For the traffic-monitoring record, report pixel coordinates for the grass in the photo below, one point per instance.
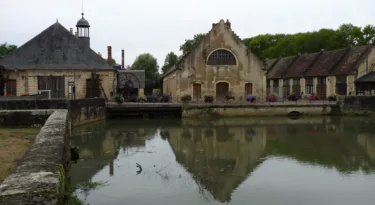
(13, 145)
(90, 185)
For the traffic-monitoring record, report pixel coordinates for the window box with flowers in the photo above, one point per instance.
(186, 98)
(293, 97)
(332, 98)
(251, 98)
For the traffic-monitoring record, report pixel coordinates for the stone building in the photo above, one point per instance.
(323, 73)
(59, 64)
(220, 65)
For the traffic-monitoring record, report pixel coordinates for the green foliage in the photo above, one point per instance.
(6, 49)
(191, 43)
(113, 62)
(149, 64)
(170, 60)
(281, 45)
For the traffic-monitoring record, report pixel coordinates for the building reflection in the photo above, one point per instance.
(218, 158)
(221, 154)
(99, 145)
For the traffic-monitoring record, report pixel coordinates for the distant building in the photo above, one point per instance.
(324, 73)
(59, 64)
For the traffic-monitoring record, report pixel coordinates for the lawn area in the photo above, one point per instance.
(13, 144)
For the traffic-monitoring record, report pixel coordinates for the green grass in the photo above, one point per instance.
(90, 185)
(3, 137)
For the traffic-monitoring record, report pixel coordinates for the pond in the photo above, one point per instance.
(259, 161)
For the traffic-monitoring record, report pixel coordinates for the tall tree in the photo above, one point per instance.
(191, 43)
(149, 64)
(6, 49)
(170, 60)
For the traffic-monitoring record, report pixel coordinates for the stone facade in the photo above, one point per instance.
(27, 81)
(221, 64)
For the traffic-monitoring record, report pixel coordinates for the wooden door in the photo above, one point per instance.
(197, 91)
(11, 88)
(221, 91)
(248, 89)
(321, 88)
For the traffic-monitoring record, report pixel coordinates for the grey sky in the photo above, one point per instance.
(161, 26)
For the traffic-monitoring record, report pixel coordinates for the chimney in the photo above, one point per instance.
(71, 30)
(123, 59)
(110, 55)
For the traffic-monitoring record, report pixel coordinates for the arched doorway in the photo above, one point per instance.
(222, 89)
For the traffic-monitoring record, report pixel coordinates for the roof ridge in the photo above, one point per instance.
(273, 65)
(339, 61)
(367, 51)
(315, 61)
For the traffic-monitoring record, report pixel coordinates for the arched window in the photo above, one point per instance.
(221, 57)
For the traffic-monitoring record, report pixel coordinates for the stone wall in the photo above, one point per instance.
(40, 175)
(80, 111)
(24, 118)
(357, 105)
(255, 110)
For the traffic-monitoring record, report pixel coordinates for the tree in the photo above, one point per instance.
(149, 64)
(6, 49)
(191, 43)
(113, 62)
(170, 60)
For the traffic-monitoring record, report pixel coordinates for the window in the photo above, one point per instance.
(268, 87)
(221, 57)
(296, 88)
(197, 91)
(341, 85)
(55, 84)
(309, 86)
(286, 87)
(276, 86)
(248, 89)
(11, 88)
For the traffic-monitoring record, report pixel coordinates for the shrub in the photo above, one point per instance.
(271, 98)
(165, 98)
(293, 97)
(141, 99)
(250, 98)
(119, 100)
(186, 98)
(332, 98)
(208, 98)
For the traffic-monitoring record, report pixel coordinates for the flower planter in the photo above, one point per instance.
(250, 98)
(208, 99)
(293, 98)
(186, 98)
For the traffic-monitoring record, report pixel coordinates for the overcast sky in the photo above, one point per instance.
(161, 26)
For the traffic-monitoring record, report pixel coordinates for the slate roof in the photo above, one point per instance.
(368, 78)
(279, 67)
(351, 60)
(300, 64)
(336, 62)
(55, 48)
(326, 61)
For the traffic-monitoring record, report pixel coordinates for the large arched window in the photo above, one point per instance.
(221, 57)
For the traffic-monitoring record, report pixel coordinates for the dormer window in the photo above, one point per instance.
(221, 57)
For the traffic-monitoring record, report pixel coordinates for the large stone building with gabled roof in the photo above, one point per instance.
(59, 64)
(220, 65)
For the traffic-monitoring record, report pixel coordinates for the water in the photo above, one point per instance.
(260, 161)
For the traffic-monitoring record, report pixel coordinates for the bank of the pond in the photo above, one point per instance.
(13, 145)
(41, 175)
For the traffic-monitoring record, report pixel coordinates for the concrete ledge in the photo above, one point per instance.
(39, 177)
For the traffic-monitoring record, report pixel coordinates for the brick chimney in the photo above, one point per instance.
(122, 59)
(110, 55)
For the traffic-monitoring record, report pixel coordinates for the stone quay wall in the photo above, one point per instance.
(357, 105)
(40, 176)
(81, 111)
(256, 110)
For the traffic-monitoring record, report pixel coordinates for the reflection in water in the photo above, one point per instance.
(227, 161)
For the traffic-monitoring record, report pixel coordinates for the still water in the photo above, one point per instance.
(263, 161)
